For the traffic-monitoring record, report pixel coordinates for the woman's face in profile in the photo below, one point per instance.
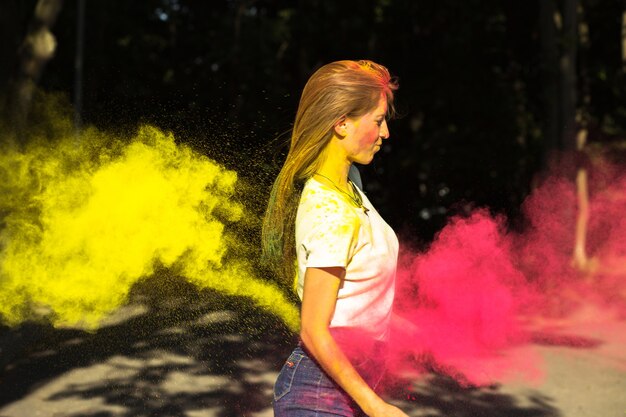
(365, 134)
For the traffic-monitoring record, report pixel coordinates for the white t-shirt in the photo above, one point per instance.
(332, 231)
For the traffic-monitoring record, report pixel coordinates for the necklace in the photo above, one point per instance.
(355, 197)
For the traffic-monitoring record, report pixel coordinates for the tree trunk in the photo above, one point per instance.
(568, 75)
(78, 65)
(581, 259)
(550, 75)
(36, 50)
(9, 33)
(624, 40)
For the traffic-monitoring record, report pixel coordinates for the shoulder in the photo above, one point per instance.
(318, 201)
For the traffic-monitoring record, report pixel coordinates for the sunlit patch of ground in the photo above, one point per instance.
(192, 354)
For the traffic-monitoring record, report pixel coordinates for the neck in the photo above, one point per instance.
(335, 167)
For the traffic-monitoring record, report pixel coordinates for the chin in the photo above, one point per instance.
(365, 161)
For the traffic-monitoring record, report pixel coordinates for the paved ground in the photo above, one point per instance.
(176, 352)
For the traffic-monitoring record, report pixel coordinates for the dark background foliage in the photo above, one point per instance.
(477, 84)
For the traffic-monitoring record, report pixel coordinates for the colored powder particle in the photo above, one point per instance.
(545, 249)
(83, 222)
(480, 297)
(468, 296)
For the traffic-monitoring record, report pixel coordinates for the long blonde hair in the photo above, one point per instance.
(335, 91)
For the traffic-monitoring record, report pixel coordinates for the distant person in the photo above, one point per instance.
(321, 229)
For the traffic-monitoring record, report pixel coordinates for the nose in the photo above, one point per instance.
(384, 130)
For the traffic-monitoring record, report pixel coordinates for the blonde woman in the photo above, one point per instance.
(321, 229)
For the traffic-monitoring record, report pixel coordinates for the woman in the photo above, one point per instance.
(320, 228)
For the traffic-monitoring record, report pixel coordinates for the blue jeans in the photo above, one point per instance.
(303, 389)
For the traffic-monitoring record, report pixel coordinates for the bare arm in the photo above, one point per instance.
(321, 286)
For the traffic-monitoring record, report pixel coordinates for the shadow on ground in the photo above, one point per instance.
(178, 349)
(442, 396)
(179, 352)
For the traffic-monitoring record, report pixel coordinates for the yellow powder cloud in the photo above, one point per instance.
(83, 221)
